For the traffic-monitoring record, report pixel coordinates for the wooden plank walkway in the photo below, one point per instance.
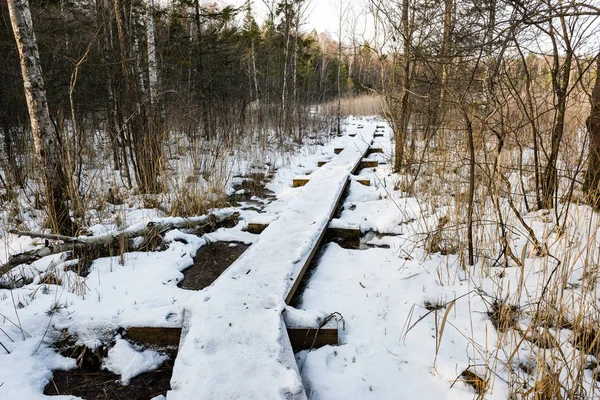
(234, 343)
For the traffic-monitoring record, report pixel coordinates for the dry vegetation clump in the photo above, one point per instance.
(363, 105)
(504, 316)
(478, 383)
(535, 271)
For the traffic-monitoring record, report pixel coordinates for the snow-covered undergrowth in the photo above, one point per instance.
(422, 323)
(136, 288)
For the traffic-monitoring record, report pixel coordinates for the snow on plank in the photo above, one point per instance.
(234, 342)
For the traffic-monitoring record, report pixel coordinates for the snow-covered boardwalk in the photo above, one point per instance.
(234, 343)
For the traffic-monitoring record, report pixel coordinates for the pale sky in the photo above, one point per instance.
(322, 15)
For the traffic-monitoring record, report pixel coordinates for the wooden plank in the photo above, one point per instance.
(338, 150)
(321, 163)
(301, 338)
(366, 163)
(306, 338)
(256, 227)
(294, 287)
(378, 134)
(259, 275)
(363, 181)
(155, 336)
(300, 181)
(373, 150)
(345, 234)
(296, 283)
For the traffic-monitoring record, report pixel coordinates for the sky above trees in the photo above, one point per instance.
(321, 15)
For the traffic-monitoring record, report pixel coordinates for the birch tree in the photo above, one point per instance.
(45, 138)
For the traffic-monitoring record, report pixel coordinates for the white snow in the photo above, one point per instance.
(129, 361)
(264, 219)
(236, 345)
(234, 328)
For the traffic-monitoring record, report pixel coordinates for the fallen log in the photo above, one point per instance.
(203, 224)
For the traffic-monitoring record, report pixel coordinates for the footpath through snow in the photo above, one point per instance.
(234, 343)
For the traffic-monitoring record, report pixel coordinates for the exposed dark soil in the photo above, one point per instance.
(209, 263)
(103, 385)
(253, 184)
(153, 241)
(363, 243)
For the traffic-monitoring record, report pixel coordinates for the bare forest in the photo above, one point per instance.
(433, 167)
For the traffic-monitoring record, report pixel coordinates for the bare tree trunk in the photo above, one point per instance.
(285, 71)
(339, 74)
(151, 44)
(295, 79)
(560, 85)
(142, 136)
(254, 73)
(439, 112)
(402, 125)
(470, 245)
(592, 176)
(45, 139)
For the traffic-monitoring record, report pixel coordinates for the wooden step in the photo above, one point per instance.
(373, 150)
(259, 223)
(338, 150)
(345, 231)
(366, 163)
(307, 338)
(321, 163)
(301, 338)
(155, 336)
(362, 181)
(300, 181)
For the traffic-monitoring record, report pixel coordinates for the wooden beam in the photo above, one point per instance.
(300, 181)
(259, 223)
(373, 150)
(155, 336)
(301, 338)
(366, 163)
(347, 232)
(363, 181)
(306, 338)
(296, 284)
(378, 134)
(256, 227)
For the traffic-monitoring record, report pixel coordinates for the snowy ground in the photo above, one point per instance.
(414, 320)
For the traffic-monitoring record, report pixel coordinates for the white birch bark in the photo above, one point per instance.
(151, 44)
(45, 140)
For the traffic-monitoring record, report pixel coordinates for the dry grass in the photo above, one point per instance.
(365, 105)
(542, 306)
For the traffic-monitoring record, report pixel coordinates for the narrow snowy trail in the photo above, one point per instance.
(234, 342)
